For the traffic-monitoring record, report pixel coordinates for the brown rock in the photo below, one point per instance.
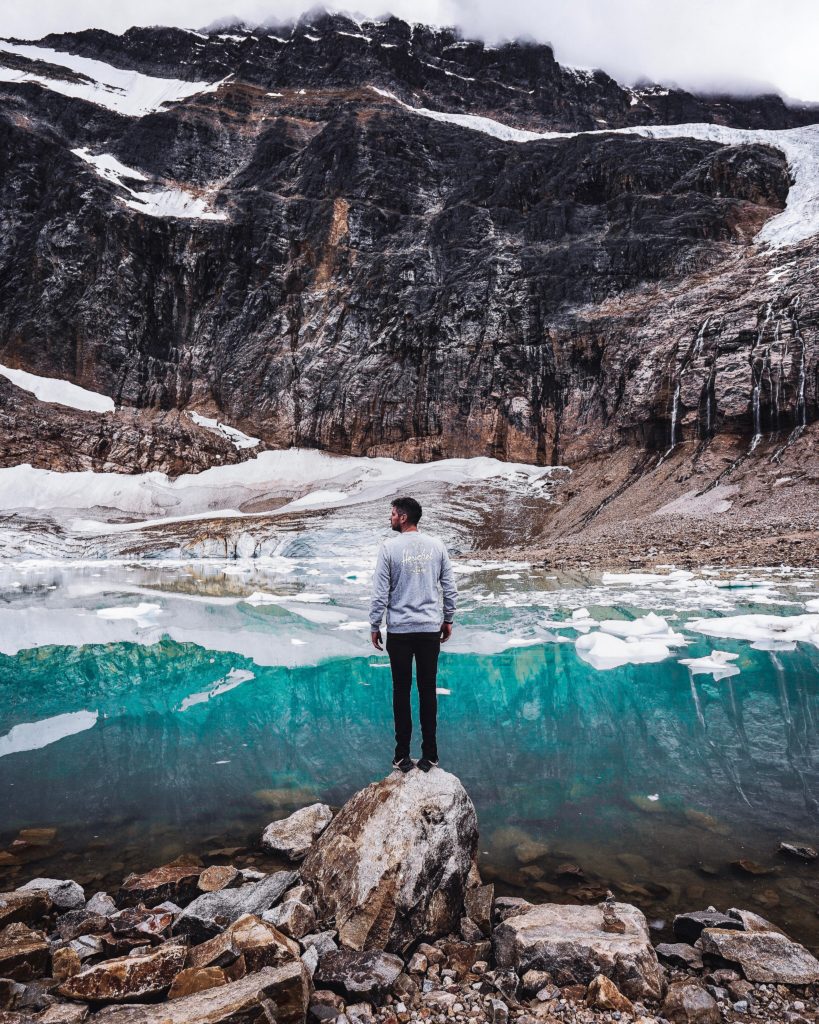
(293, 917)
(478, 906)
(27, 907)
(196, 979)
(127, 978)
(65, 963)
(603, 994)
(218, 876)
(260, 943)
(751, 867)
(24, 954)
(176, 882)
(687, 1002)
(274, 993)
(461, 956)
(80, 922)
(37, 836)
(64, 1013)
(139, 923)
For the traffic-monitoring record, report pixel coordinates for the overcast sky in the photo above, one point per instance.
(695, 43)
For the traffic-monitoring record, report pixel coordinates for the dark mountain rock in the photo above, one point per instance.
(385, 283)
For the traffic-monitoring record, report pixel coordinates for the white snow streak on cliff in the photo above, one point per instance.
(236, 437)
(58, 392)
(800, 146)
(126, 92)
(168, 202)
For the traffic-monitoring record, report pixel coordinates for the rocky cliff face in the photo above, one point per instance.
(317, 252)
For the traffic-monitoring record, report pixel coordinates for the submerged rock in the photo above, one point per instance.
(246, 1000)
(209, 913)
(571, 944)
(393, 863)
(293, 836)
(765, 956)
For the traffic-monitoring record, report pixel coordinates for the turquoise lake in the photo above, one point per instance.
(149, 710)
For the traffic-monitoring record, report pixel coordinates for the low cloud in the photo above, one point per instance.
(704, 45)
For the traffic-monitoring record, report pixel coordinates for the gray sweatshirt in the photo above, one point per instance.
(408, 572)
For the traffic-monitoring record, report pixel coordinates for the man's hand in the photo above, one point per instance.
(375, 636)
(446, 632)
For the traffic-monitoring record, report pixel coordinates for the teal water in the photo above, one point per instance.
(650, 779)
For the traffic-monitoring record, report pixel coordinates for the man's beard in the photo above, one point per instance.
(397, 527)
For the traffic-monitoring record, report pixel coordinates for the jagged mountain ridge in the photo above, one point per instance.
(384, 283)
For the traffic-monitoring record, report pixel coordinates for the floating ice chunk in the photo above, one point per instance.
(356, 625)
(812, 605)
(443, 690)
(641, 579)
(127, 92)
(653, 797)
(234, 678)
(236, 437)
(58, 392)
(580, 620)
(651, 625)
(297, 643)
(141, 613)
(762, 628)
(36, 735)
(604, 651)
(715, 664)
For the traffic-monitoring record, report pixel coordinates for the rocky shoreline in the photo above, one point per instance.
(381, 916)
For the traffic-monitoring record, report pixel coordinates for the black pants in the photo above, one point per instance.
(424, 647)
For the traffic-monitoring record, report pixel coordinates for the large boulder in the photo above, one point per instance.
(294, 836)
(763, 956)
(392, 865)
(274, 993)
(211, 912)
(572, 945)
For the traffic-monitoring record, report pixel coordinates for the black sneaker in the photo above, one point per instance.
(425, 764)
(404, 764)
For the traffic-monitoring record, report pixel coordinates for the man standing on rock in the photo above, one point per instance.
(408, 573)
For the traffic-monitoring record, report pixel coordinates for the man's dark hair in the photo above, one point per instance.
(410, 507)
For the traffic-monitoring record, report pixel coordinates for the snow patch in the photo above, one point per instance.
(58, 392)
(126, 92)
(236, 437)
(169, 202)
(800, 146)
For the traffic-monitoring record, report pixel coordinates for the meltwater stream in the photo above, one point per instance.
(148, 710)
